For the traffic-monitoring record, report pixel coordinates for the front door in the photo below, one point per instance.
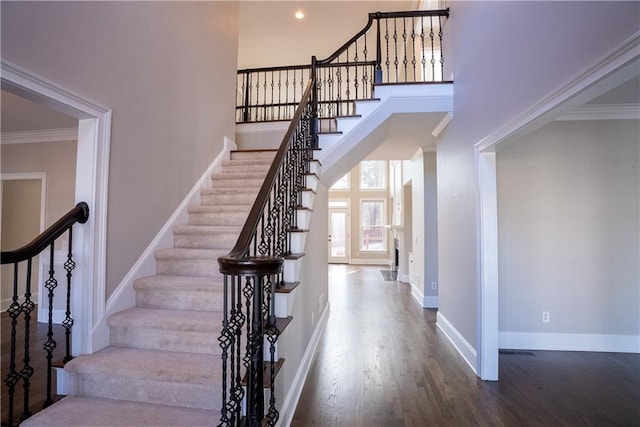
(338, 235)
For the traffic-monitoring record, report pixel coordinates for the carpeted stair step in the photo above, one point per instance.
(79, 411)
(239, 166)
(205, 236)
(218, 215)
(162, 329)
(173, 378)
(179, 292)
(189, 262)
(226, 196)
(253, 154)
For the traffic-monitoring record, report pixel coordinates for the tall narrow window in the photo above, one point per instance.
(372, 232)
(373, 175)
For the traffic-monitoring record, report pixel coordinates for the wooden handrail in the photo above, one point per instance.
(79, 214)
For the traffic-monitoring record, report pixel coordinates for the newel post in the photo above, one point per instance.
(378, 74)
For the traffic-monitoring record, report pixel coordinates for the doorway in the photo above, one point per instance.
(339, 235)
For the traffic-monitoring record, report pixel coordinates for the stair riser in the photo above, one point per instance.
(205, 241)
(202, 396)
(237, 183)
(252, 155)
(218, 219)
(162, 339)
(257, 167)
(196, 267)
(228, 199)
(179, 299)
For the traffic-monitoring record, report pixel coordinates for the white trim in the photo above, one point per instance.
(442, 125)
(488, 259)
(92, 173)
(570, 342)
(430, 301)
(603, 112)
(417, 293)
(615, 67)
(36, 136)
(621, 61)
(123, 296)
(465, 349)
(293, 395)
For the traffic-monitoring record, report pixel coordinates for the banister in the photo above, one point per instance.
(248, 230)
(79, 214)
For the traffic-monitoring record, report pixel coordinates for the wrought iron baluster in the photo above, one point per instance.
(27, 370)
(433, 58)
(67, 323)
(441, 49)
(405, 62)
(395, 49)
(423, 60)
(50, 344)
(355, 70)
(413, 47)
(386, 38)
(12, 378)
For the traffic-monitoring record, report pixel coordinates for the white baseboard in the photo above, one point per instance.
(570, 342)
(465, 349)
(430, 301)
(124, 295)
(404, 278)
(293, 395)
(417, 294)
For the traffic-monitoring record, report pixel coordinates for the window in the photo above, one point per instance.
(372, 233)
(373, 175)
(343, 183)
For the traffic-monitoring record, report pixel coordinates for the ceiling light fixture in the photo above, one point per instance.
(299, 14)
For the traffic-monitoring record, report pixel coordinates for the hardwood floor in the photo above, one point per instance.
(383, 362)
(38, 336)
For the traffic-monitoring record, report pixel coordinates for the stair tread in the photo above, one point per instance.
(238, 175)
(186, 283)
(287, 287)
(80, 411)
(154, 365)
(190, 253)
(250, 191)
(207, 229)
(167, 319)
(219, 209)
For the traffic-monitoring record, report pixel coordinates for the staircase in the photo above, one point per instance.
(163, 365)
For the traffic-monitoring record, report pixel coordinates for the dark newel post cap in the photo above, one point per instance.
(250, 266)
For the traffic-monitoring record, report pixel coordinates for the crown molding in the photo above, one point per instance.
(34, 136)
(603, 112)
(443, 124)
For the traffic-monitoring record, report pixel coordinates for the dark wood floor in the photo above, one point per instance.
(383, 362)
(38, 336)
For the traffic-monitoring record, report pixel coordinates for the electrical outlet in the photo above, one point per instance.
(545, 317)
(434, 285)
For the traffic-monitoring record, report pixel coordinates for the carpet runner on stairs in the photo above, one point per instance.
(163, 365)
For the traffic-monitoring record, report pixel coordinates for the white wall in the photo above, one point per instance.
(505, 56)
(166, 69)
(569, 219)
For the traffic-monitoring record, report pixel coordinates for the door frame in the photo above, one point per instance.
(92, 173)
(347, 241)
(612, 69)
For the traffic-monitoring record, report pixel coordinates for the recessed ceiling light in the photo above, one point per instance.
(299, 14)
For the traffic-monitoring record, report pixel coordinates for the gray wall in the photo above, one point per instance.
(505, 56)
(568, 208)
(166, 69)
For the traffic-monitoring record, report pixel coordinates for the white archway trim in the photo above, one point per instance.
(617, 66)
(92, 173)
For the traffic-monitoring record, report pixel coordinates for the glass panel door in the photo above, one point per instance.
(338, 236)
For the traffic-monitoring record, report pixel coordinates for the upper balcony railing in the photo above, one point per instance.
(393, 48)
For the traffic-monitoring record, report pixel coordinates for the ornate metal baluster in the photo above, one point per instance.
(27, 371)
(441, 48)
(424, 60)
(355, 72)
(395, 48)
(433, 58)
(413, 47)
(386, 38)
(67, 323)
(405, 62)
(13, 376)
(50, 344)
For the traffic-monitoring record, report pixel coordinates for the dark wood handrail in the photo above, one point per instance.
(79, 214)
(243, 243)
(377, 16)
